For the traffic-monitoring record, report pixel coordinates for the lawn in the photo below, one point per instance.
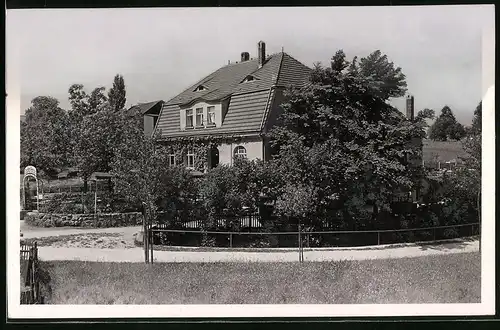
(433, 279)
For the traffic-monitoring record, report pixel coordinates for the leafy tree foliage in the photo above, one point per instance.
(45, 135)
(388, 79)
(88, 137)
(226, 190)
(477, 120)
(101, 134)
(83, 104)
(446, 127)
(141, 175)
(341, 136)
(117, 94)
(470, 176)
(296, 201)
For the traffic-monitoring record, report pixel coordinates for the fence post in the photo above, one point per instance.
(230, 240)
(378, 238)
(152, 244)
(301, 257)
(144, 238)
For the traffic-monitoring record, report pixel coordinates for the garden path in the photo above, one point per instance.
(193, 255)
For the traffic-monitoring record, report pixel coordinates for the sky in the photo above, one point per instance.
(162, 51)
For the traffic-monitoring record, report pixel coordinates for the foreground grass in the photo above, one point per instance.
(433, 279)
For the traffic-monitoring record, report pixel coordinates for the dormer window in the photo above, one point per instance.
(200, 88)
(189, 118)
(211, 116)
(249, 79)
(199, 117)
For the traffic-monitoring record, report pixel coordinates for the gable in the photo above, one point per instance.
(249, 102)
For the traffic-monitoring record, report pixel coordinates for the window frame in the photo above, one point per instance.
(210, 110)
(170, 158)
(198, 114)
(189, 154)
(189, 114)
(238, 154)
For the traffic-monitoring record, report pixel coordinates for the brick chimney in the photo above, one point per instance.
(410, 107)
(261, 53)
(245, 56)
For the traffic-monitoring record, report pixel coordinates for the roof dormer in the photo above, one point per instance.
(249, 78)
(200, 88)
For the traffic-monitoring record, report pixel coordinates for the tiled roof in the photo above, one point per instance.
(248, 100)
(142, 108)
(442, 151)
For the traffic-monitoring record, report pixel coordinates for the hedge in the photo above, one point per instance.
(106, 220)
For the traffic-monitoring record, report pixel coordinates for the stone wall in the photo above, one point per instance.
(84, 220)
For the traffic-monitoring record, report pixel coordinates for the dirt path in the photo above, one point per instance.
(137, 254)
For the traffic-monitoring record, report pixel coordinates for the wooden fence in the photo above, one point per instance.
(30, 281)
(248, 222)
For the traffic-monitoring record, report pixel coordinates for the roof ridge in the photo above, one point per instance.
(296, 60)
(279, 69)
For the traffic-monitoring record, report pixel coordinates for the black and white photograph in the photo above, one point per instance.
(280, 161)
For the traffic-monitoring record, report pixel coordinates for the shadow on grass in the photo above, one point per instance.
(458, 244)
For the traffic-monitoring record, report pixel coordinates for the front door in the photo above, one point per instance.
(214, 157)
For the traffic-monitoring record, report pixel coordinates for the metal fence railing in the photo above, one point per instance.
(302, 238)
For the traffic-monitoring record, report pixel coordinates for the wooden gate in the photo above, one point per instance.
(30, 281)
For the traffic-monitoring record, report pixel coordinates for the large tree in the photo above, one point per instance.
(83, 108)
(100, 136)
(141, 174)
(477, 120)
(471, 175)
(446, 127)
(117, 94)
(388, 79)
(341, 136)
(44, 135)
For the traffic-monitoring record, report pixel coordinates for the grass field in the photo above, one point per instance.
(433, 279)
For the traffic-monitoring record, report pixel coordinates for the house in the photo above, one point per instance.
(443, 154)
(235, 105)
(149, 111)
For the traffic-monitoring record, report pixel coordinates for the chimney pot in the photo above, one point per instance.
(245, 56)
(261, 53)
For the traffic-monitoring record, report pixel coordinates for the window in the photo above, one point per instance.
(199, 117)
(190, 159)
(189, 118)
(240, 152)
(211, 116)
(200, 88)
(248, 79)
(171, 160)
